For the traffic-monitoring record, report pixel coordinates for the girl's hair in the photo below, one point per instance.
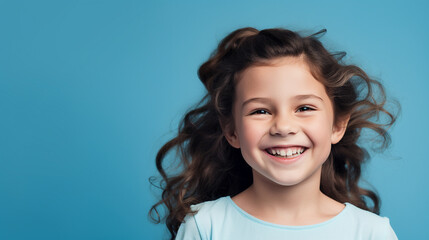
(211, 168)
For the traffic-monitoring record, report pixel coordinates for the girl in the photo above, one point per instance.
(271, 151)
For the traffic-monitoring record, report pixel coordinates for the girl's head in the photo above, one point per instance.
(271, 91)
(283, 122)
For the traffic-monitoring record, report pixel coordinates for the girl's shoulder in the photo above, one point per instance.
(364, 216)
(211, 211)
(364, 221)
(206, 215)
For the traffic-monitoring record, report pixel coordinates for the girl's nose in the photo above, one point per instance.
(283, 126)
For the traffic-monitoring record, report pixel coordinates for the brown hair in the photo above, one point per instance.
(211, 168)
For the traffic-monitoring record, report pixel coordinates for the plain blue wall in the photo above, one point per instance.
(89, 91)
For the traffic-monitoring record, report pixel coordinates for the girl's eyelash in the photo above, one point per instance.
(259, 111)
(300, 109)
(305, 109)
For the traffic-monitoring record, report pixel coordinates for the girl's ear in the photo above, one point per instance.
(230, 135)
(339, 129)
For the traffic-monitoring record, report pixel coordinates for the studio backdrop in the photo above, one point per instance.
(90, 90)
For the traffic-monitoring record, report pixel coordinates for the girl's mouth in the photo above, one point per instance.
(289, 152)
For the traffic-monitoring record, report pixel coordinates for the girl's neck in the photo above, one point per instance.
(294, 200)
(301, 204)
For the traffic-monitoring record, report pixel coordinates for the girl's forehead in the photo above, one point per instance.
(284, 75)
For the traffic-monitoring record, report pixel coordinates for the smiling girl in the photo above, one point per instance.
(271, 151)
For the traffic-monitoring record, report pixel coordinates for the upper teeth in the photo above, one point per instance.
(286, 152)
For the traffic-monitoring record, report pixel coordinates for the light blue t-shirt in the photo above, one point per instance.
(222, 219)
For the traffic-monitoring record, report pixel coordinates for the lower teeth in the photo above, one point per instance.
(286, 156)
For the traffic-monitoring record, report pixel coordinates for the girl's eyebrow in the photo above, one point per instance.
(267, 100)
(257, 99)
(307, 96)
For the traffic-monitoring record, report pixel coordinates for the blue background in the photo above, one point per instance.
(89, 91)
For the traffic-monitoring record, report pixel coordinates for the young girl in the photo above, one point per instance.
(271, 152)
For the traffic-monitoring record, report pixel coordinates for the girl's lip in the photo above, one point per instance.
(286, 160)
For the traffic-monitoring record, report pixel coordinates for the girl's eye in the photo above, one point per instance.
(305, 109)
(259, 111)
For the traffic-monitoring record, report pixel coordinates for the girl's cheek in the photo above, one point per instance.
(252, 131)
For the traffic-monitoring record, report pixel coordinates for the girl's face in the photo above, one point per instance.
(283, 122)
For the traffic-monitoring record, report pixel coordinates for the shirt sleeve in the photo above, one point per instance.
(390, 234)
(188, 230)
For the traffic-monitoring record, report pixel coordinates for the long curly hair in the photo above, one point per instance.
(210, 168)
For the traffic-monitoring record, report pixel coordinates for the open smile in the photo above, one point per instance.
(286, 152)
